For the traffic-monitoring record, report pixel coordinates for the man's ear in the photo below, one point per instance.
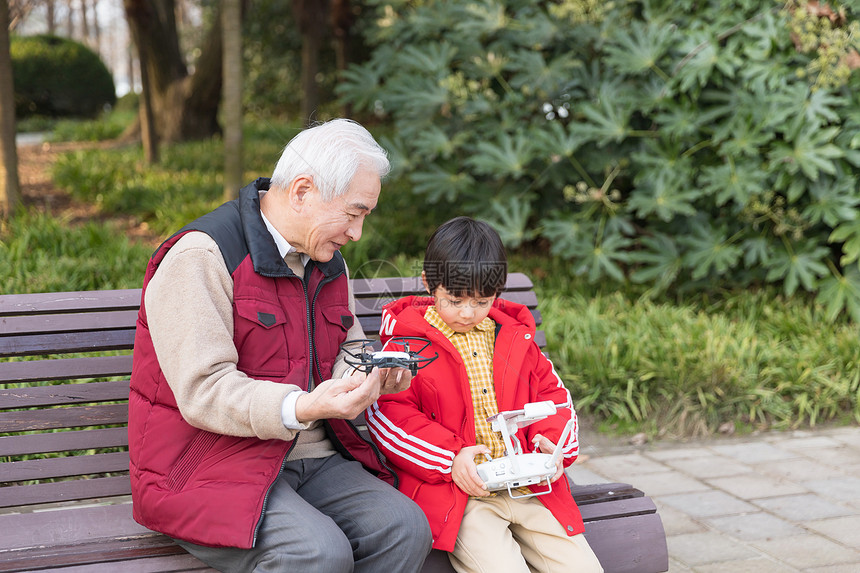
(298, 191)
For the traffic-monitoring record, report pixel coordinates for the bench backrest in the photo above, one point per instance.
(65, 359)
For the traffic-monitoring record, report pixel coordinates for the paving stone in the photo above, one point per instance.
(678, 567)
(845, 530)
(848, 435)
(666, 483)
(695, 549)
(756, 565)
(836, 457)
(754, 526)
(805, 551)
(677, 453)
(707, 504)
(799, 471)
(841, 488)
(802, 508)
(753, 452)
(708, 467)
(677, 522)
(581, 475)
(844, 568)
(753, 485)
(807, 442)
(622, 465)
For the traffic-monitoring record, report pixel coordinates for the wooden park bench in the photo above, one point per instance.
(65, 359)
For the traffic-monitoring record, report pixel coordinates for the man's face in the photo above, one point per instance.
(461, 313)
(330, 225)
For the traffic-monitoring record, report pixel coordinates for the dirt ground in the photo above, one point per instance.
(38, 190)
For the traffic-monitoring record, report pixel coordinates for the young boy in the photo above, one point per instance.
(436, 432)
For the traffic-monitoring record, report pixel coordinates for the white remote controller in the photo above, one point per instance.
(517, 469)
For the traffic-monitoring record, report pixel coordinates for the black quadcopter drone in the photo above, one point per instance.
(366, 359)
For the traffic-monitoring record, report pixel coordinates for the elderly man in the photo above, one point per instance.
(239, 435)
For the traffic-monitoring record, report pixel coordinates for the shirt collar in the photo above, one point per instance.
(284, 248)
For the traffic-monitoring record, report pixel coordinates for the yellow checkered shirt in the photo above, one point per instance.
(476, 350)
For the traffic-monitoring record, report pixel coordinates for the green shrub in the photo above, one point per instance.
(680, 145)
(59, 77)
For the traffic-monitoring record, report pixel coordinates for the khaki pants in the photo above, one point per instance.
(501, 535)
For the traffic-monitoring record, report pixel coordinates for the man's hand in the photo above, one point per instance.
(464, 471)
(344, 398)
(546, 446)
(395, 380)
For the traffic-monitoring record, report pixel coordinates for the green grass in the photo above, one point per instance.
(755, 360)
(40, 253)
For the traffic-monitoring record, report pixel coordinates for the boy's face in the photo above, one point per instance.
(461, 313)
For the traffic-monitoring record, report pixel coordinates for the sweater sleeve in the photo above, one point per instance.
(189, 308)
(410, 439)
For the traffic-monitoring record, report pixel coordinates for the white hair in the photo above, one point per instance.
(330, 153)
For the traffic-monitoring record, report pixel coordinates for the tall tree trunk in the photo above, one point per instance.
(310, 17)
(85, 23)
(342, 20)
(231, 29)
(148, 133)
(51, 17)
(70, 19)
(10, 191)
(184, 106)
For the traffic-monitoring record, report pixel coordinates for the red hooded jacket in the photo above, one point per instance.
(421, 429)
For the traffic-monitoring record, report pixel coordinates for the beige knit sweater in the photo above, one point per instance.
(189, 307)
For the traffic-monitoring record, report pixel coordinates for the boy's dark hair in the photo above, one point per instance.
(467, 258)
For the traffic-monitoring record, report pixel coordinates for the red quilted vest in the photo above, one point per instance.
(208, 488)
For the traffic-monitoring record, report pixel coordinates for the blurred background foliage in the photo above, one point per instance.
(678, 178)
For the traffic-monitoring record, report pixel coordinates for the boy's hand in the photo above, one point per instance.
(464, 472)
(546, 446)
(394, 380)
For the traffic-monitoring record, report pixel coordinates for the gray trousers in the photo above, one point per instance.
(329, 515)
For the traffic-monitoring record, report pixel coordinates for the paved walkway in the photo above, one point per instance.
(772, 503)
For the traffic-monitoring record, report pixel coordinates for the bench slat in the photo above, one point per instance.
(598, 492)
(55, 418)
(76, 301)
(48, 468)
(642, 538)
(63, 441)
(30, 345)
(65, 368)
(19, 495)
(121, 555)
(617, 508)
(58, 394)
(45, 323)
